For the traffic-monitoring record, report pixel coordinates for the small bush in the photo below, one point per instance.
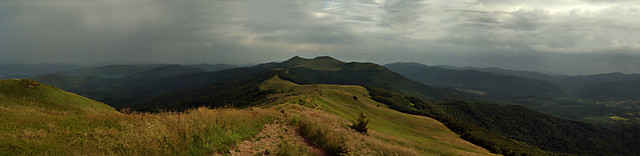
(361, 124)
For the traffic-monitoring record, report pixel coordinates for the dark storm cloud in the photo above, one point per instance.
(572, 36)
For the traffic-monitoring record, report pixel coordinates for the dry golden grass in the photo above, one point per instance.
(198, 131)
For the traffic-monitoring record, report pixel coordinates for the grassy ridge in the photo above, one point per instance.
(324, 112)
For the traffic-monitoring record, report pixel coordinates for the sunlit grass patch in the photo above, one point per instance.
(618, 118)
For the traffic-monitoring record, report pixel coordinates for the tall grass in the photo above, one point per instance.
(332, 134)
(198, 131)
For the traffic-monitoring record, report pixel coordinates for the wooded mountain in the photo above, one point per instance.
(477, 82)
(109, 71)
(212, 67)
(162, 72)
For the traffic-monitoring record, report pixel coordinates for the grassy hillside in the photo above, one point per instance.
(391, 132)
(38, 119)
(29, 93)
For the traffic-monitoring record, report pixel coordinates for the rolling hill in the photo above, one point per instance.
(109, 71)
(162, 72)
(516, 73)
(612, 91)
(19, 71)
(541, 95)
(212, 67)
(487, 84)
(578, 82)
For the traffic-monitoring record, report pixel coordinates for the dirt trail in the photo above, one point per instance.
(267, 141)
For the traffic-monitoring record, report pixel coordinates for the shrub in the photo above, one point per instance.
(361, 124)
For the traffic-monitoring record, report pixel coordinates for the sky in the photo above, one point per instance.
(560, 36)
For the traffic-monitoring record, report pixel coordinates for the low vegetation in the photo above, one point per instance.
(361, 124)
(38, 119)
(198, 131)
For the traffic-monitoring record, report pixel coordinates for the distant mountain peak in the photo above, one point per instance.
(409, 63)
(324, 58)
(296, 58)
(319, 63)
(318, 58)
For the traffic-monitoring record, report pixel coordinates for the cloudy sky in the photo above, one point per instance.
(563, 36)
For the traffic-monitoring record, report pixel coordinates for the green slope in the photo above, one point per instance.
(29, 93)
(32, 114)
(420, 134)
(37, 119)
